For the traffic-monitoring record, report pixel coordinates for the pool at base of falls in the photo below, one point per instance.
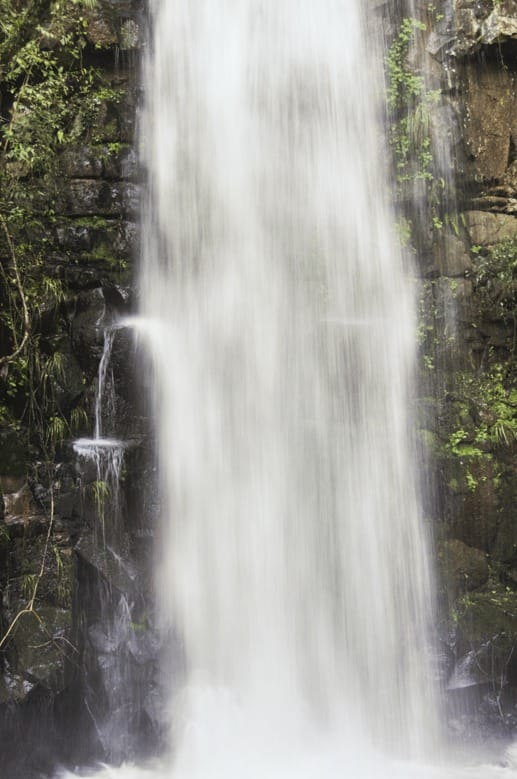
(304, 766)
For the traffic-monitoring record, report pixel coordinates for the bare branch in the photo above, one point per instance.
(6, 359)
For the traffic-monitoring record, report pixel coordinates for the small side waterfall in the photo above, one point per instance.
(116, 642)
(104, 451)
(280, 319)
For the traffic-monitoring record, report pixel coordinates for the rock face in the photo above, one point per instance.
(482, 24)
(463, 568)
(58, 589)
(467, 256)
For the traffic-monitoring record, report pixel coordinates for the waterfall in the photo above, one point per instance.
(293, 585)
(280, 319)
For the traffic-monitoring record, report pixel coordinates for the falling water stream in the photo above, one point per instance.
(279, 317)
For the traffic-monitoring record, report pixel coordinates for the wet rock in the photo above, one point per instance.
(455, 305)
(490, 120)
(114, 161)
(98, 239)
(129, 195)
(20, 505)
(462, 567)
(41, 495)
(90, 197)
(103, 639)
(482, 23)
(68, 504)
(143, 644)
(115, 122)
(121, 164)
(39, 644)
(119, 572)
(87, 329)
(69, 381)
(100, 31)
(14, 688)
(81, 162)
(78, 276)
(504, 546)
(75, 237)
(486, 625)
(125, 240)
(13, 457)
(475, 520)
(121, 9)
(501, 24)
(127, 118)
(155, 706)
(452, 257)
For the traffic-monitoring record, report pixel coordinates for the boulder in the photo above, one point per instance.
(488, 229)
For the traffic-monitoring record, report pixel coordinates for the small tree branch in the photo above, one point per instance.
(6, 359)
(29, 608)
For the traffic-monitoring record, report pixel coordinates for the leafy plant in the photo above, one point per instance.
(495, 278)
(50, 99)
(409, 104)
(486, 404)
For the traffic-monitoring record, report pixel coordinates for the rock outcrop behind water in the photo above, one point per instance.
(467, 255)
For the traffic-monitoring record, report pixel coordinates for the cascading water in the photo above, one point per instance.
(105, 452)
(110, 646)
(281, 326)
(279, 317)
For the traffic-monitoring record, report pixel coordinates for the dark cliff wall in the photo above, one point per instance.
(70, 81)
(463, 228)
